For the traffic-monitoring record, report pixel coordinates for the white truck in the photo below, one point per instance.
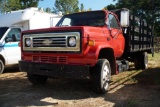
(11, 25)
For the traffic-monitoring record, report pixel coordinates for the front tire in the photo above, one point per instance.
(1, 66)
(36, 79)
(101, 76)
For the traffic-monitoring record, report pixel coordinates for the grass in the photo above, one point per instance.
(135, 76)
(156, 57)
(136, 88)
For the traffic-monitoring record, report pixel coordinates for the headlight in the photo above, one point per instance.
(28, 42)
(72, 41)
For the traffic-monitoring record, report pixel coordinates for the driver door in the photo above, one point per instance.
(11, 48)
(118, 41)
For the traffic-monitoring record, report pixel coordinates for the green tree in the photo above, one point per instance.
(48, 10)
(11, 5)
(3, 6)
(66, 6)
(148, 9)
(89, 9)
(82, 8)
(28, 3)
(110, 7)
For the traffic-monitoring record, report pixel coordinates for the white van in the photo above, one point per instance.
(11, 25)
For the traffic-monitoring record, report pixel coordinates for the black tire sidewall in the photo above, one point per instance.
(137, 63)
(145, 60)
(36, 79)
(141, 61)
(1, 67)
(98, 85)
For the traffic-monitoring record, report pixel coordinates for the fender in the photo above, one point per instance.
(110, 55)
(102, 47)
(93, 52)
(3, 55)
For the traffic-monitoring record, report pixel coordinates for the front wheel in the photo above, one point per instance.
(1, 66)
(101, 76)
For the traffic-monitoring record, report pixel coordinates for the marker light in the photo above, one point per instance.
(91, 43)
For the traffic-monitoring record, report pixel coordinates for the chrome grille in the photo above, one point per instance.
(50, 42)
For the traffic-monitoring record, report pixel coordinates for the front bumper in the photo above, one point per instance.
(56, 70)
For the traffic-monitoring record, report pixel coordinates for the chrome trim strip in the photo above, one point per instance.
(51, 36)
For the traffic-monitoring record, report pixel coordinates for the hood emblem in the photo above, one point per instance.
(47, 42)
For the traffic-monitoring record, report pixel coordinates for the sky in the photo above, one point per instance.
(93, 4)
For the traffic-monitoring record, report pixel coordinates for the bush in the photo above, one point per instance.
(157, 44)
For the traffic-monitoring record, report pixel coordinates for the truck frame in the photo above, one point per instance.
(87, 45)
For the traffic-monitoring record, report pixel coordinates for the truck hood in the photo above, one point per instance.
(95, 32)
(86, 30)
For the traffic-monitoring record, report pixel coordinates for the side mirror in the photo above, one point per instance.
(124, 18)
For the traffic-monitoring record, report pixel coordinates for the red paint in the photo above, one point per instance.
(103, 37)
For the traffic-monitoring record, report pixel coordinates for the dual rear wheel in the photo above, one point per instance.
(141, 61)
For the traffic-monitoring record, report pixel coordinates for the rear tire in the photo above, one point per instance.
(144, 61)
(1, 66)
(36, 79)
(141, 61)
(137, 63)
(101, 76)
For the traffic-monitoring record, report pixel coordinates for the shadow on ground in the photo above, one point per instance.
(11, 69)
(18, 91)
(143, 92)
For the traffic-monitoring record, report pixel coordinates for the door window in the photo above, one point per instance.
(14, 35)
(112, 21)
(3, 31)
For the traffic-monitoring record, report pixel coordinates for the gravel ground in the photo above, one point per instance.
(128, 89)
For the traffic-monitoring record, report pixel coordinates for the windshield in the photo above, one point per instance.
(2, 31)
(93, 18)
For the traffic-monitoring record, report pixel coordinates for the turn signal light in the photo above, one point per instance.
(91, 43)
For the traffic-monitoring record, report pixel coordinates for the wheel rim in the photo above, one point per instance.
(106, 77)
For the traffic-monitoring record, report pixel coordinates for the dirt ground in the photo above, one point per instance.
(128, 89)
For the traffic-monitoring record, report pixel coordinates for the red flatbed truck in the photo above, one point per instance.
(87, 45)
